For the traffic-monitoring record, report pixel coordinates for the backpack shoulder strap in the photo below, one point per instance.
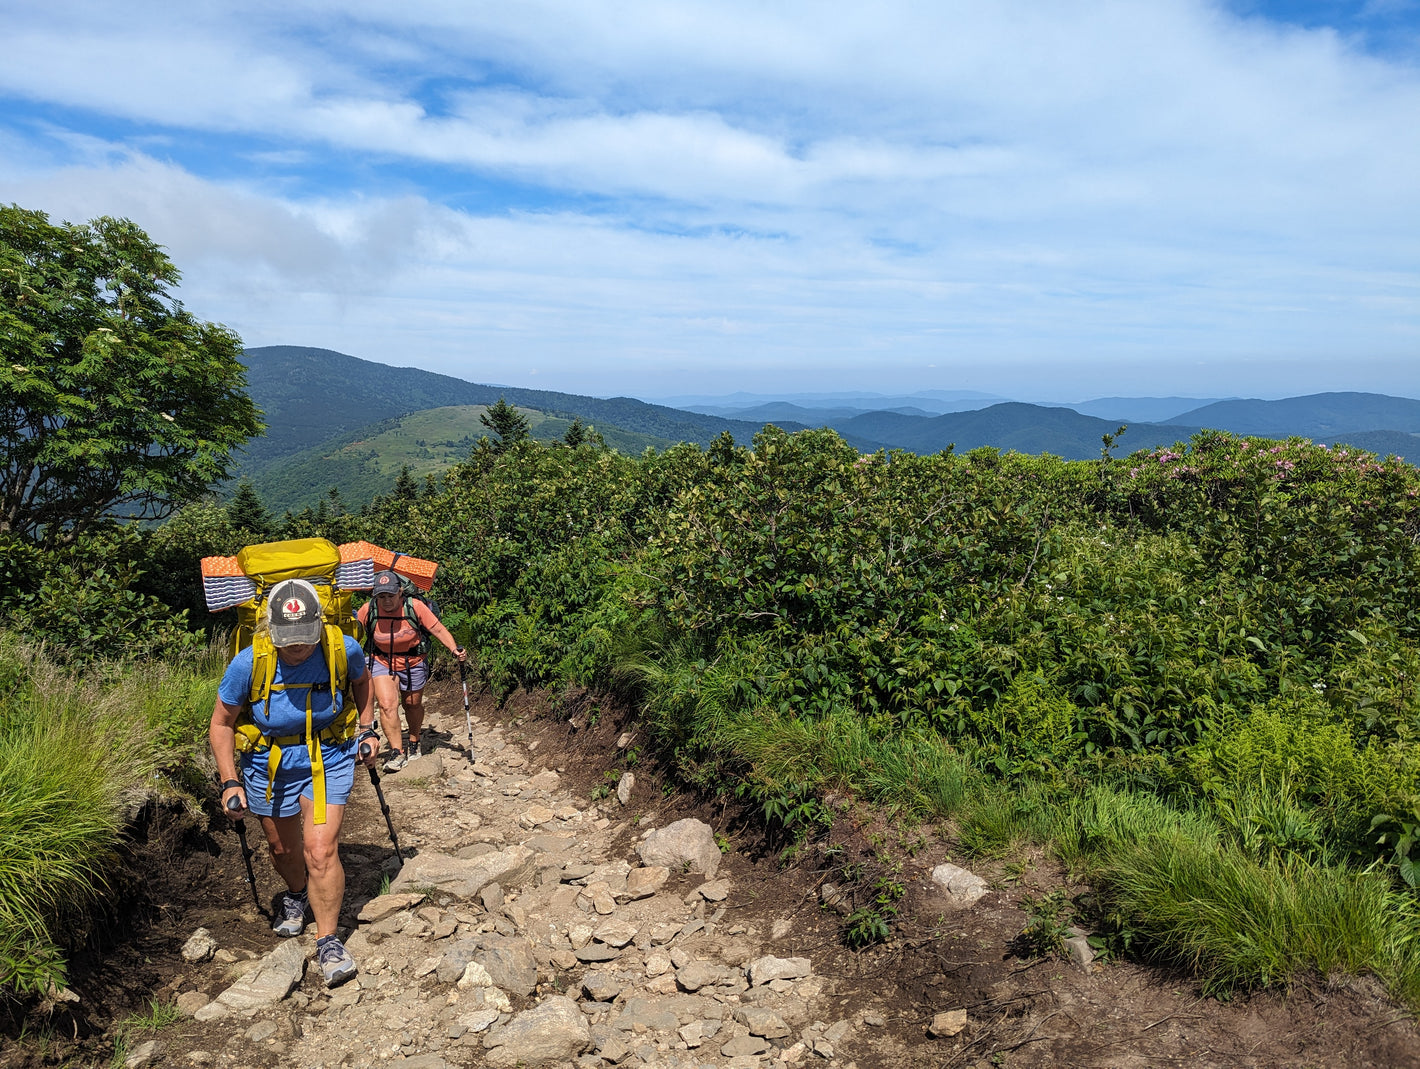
(263, 668)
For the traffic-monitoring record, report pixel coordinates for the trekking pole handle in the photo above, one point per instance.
(233, 804)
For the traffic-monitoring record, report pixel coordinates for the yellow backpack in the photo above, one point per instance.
(315, 560)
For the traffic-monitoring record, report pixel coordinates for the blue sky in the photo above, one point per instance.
(1052, 200)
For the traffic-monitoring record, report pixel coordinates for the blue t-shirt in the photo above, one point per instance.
(285, 711)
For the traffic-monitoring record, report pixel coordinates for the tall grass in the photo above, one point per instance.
(75, 753)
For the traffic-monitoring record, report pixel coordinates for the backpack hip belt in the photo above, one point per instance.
(249, 739)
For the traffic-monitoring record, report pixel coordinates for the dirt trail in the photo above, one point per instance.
(578, 953)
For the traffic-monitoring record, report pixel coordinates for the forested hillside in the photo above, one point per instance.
(312, 395)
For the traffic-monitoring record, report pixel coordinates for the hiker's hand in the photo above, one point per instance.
(369, 748)
(234, 802)
(461, 654)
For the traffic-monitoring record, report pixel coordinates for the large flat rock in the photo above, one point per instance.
(270, 982)
(465, 877)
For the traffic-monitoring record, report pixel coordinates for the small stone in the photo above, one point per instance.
(199, 947)
(615, 933)
(604, 903)
(644, 882)
(715, 890)
(767, 968)
(572, 872)
(601, 986)
(823, 1048)
(545, 781)
(142, 1055)
(189, 1002)
(579, 935)
(200, 1057)
(261, 1031)
(211, 1012)
(780, 928)
(744, 1045)
(780, 987)
(538, 814)
(692, 1035)
(1078, 949)
(479, 1019)
(661, 934)
(492, 897)
(625, 786)
(836, 1032)
(657, 962)
(624, 740)
(764, 1022)
(662, 985)
(383, 906)
(596, 952)
(947, 1024)
(961, 887)
(475, 975)
(874, 1020)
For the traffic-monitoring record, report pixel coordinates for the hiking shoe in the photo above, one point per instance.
(336, 964)
(418, 749)
(398, 761)
(290, 914)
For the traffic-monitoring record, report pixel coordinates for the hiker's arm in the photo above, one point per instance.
(222, 737)
(438, 630)
(364, 695)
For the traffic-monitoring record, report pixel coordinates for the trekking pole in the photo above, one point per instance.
(233, 805)
(467, 716)
(384, 806)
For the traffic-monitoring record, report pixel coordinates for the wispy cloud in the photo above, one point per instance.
(621, 193)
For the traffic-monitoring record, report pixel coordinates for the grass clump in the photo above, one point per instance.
(75, 752)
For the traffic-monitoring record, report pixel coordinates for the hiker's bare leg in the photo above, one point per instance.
(326, 885)
(387, 694)
(414, 713)
(283, 835)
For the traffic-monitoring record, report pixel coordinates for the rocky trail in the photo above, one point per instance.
(541, 920)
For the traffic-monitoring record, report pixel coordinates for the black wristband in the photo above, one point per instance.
(227, 785)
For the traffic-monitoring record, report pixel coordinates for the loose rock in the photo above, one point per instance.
(199, 947)
(947, 1024)
(686, 842)
(550, 1032)
(960, 887)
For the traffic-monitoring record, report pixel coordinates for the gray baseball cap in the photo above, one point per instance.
(295, 614)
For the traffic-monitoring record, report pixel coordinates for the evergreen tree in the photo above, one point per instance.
(576, 434)
(507, 422)
(405, 488)
(246, 512)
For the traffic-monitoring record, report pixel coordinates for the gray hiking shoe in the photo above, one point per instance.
(418, 749)
(398, 761)
(290, 914)
(336, 964)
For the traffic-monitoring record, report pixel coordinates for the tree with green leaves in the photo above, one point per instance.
(506, 422)
(115, 401)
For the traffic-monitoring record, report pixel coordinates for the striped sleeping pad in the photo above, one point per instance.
(225, 585)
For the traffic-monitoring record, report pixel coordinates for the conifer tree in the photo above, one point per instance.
(507, 422)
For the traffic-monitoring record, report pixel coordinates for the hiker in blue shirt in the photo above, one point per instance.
(299, 746)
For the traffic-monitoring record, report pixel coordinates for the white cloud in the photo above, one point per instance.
(824, 185)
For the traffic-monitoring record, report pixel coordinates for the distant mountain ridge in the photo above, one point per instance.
(311, 395)
(1317, 415)
(325, 410)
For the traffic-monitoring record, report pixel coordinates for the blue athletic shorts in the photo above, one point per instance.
(412, 679)
(294, 783)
